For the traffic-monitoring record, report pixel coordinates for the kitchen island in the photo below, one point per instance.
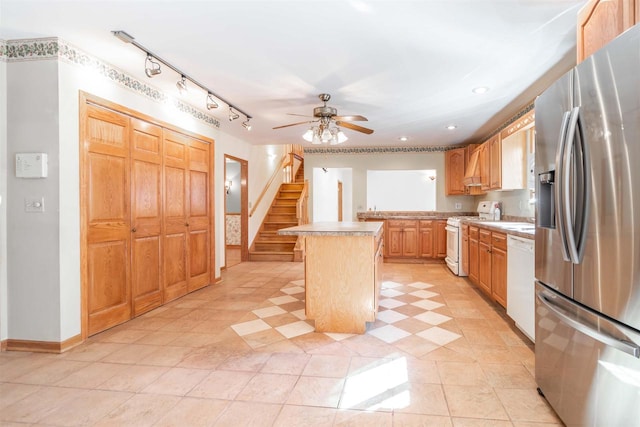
(342, 273)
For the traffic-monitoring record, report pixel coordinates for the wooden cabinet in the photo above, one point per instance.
(600, 21)
(495, 163)
(474, 262)
(426, 239)
(499, 268)
(146, 215)
(484, 157)
(484, 261)
(488, 262)
(464, 250)
(454, 171)
(402, 238)
(441, 239)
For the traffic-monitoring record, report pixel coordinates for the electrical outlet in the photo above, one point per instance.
(458, 206)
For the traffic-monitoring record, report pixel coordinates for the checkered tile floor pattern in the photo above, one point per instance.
(404, 311)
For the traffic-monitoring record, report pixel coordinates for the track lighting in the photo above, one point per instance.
(152, 67)
(211, 103)
(182, 85)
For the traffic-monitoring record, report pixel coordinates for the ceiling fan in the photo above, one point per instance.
(326, 116)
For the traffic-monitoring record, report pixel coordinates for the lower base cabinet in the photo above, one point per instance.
(411, 240)
(488, 262)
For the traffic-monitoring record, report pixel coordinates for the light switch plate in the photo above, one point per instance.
(34, 204)
(458, 206)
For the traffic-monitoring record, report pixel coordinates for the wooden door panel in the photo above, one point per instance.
(108, 290)
(108, 192)
(198, 259)
(107, 216)
(175, 269)
(199, 187)
(146, 215)
(198, 156)
(175, 206)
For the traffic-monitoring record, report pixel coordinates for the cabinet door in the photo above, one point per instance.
(600, 21)
(484, 267)
(410, 242)
(146, 216)
(499, 276)
(495, 148)
(454, 171)
(426, 239)
(106, 195)
(474, 262)
(464, 251)
(441, 239)
(176, 241)
(198, 220)
(394, 242)
(485, 167)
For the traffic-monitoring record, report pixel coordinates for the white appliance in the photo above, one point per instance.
(487, 210)
(520, 284)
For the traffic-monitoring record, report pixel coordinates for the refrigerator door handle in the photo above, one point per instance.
(560, 196)
(567, 205)
(606, 339)
(583, 179)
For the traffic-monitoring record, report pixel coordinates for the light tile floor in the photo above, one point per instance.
(241, 353)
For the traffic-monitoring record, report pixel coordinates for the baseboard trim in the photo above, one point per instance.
(43, 346)
(218, 280)
(3, 345)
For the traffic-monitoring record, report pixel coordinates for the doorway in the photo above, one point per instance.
(236, 205)
(332, 194)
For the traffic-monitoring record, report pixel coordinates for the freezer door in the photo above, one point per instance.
(608, 278)
(552, 109)
(586, 366)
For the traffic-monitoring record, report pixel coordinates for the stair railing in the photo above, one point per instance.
(277, 171)
(302, 209)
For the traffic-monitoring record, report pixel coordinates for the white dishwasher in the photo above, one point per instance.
(520, 283)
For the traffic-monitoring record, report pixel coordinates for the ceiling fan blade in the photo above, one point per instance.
(354, 118)
(299, 115)
(294, 124)
(355, 127)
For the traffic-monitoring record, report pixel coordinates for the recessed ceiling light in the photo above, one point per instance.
(480, 90)
(403, 138)
(452, 127)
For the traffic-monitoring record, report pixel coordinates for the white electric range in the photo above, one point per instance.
(487, 210)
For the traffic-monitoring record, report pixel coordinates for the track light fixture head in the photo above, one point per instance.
(211, 103)
(152, 68)
(232, 114)
(182, 84)
(246, 124)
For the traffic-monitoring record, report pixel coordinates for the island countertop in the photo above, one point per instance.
(372, 228)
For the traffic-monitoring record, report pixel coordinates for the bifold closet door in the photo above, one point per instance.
(146, 216)
(107, 216)
(198, 221)
(176, 196)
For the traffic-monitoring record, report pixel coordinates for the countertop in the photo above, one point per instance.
(520, 229)
(370, 228)
(411, 214)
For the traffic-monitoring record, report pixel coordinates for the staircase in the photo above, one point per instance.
(268, 245)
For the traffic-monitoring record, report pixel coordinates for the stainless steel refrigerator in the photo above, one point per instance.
(587, 251)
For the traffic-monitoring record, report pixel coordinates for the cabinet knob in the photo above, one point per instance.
(133, 230)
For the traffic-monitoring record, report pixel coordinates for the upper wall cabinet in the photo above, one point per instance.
(515, 140)
(454, 171)
(600, 21)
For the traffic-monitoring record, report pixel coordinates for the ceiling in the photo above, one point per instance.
(408, 66)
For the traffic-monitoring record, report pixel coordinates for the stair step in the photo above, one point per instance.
(283, 209)
(274, 226)
(292, 186)
(270, 256)
(274, 236)
(273, 246)
(285, 202)
(275, 217)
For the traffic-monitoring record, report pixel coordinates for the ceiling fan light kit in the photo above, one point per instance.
(327, 131)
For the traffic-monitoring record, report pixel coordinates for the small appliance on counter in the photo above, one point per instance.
(487, 211)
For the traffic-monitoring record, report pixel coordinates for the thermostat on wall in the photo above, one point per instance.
(31, 165)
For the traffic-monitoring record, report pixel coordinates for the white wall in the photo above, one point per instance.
(360, 163)
(326, 189)
(34, 296)
(3, 202)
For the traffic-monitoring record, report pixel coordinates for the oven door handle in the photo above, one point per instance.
(451, 229)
